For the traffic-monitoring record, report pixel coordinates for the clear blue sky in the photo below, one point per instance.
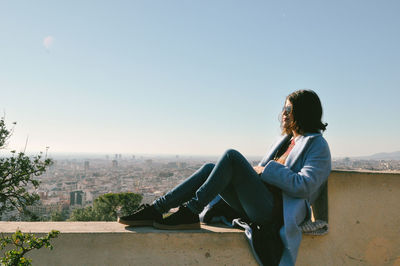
(197, 77)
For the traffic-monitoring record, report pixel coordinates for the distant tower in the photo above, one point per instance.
(76, 197)
(115, 163)
(86, 165)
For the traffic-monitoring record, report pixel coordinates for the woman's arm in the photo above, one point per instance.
(302, 184)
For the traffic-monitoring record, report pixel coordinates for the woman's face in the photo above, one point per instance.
(287, 115)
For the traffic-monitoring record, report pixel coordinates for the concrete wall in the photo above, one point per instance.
(364, 219)
(110, 243)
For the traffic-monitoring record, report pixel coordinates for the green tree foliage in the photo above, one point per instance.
(84, 214)
(17, 171)
(58, 216)
(23, 243)
(107, 207)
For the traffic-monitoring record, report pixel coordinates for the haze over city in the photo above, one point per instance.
(196, 78)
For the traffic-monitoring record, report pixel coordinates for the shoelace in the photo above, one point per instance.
(141, 207)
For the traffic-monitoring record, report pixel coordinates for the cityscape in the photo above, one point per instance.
(71, 183)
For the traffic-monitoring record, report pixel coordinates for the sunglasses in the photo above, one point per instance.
(287, 109)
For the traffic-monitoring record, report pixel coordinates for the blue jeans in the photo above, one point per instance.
(234, 179)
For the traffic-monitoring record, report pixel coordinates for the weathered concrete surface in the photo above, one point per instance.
(110, 243)
(98, 227)
(364, 220)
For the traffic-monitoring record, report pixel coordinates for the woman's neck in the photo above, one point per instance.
(295, 134)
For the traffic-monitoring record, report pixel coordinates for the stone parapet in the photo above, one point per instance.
(110, 243)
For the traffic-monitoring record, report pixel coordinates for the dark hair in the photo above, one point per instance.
(306, 111)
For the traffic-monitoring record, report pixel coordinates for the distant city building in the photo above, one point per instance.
(86, 165)
(182, 164)
(43, 195)
(172, 165)
(165, 174)
(115, 163)
(44, 210)
(76, 197)
(70, 185)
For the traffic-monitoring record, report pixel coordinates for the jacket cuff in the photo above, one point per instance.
(271, 168)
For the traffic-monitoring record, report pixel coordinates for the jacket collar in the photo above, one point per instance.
(274, 149)
(301, 143)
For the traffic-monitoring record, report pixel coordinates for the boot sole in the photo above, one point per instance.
(136, 223)
(194, 226)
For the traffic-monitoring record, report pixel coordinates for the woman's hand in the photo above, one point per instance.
(259, 169)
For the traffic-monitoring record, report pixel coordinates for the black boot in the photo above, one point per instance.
(183, 219)
(145, 215)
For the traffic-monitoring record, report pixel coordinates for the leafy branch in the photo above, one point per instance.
(23, 243)
(17, 172)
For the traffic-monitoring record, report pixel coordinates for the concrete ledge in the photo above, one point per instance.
(110, 243)
(101, 227)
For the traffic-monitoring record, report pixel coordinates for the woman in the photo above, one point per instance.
(275, 195)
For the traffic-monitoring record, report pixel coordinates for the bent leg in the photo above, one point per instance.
(252, 200)
(184, 191)
(234, 178)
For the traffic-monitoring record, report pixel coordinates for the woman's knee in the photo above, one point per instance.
(234, 155)
(208, 166)
(232, 152)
